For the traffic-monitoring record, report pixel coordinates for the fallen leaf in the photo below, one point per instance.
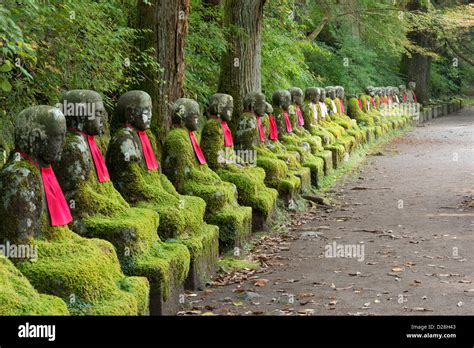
(260, 282)
(237, 303)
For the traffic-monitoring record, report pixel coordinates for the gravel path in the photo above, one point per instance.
(404, 226)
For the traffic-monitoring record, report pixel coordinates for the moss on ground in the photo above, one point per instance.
(18, 297)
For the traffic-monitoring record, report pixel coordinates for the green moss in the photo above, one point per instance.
(250, 181)
(229, 264)
(83, 272)
(221, 197)
(18, 297)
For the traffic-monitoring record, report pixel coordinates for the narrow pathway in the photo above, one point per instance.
(405, 228)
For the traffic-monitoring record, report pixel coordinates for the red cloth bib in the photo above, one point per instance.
(58, 209)
(372, 100)
(99, 162)
(261, 132)
(414, 96)
(405, 98)
(300, 115)
(147, 150)
(197, 148)
(273, 128)
(289, 129)
(228, 141)
(342, 106)
(360, 103)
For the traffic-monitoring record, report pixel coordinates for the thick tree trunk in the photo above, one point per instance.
(240, 68)
(168, 25)
(417, 68)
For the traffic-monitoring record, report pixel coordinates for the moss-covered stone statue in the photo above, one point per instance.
(85, 273)
(133, 167)
(186, 167)
(218, 148)
(18, 297)
(403, 94)
(287, 130)
(327, 102)
(336, 94)
(256, 133)
(411, 95)
(100, 210)
(313, 124)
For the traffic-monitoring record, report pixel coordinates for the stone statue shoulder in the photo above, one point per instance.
(76, 163)
(22, 203)
(246, 134)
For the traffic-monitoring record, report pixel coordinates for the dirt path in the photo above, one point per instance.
(407, 210)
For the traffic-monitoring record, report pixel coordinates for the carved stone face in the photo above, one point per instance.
(84, 110)
(331, 92)
(40, 133)
(370, 90)
(311, 94)
(135, 108)
(296, 95)
(282, 99)
(402, 88)
(322, 97)
(221, 105)
(268, 108)
(186, 112)
(411, 85)
(255, 102)
(340, 92)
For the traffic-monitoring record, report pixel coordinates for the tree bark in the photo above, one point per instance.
(167, 22)
(241, 64)
(417, 68)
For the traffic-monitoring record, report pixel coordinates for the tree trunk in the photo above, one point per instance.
(417, 68)
(167, 22)
(240, 67)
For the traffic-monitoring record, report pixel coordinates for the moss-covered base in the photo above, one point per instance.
(18, 297)
(235, 226)
(86, 274)
(204, 257)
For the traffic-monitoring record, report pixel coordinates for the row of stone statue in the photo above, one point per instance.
(125, 233)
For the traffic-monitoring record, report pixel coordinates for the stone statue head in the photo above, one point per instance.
(186, 112)
(402, 88)
(340, 92)
(331, 92)
(322, 95)
(268, 108)
(311, 94)
(296, 95)
(255, 102)
(134, 108)
(84, 110)
(282, 99)
(370, 90)
(411, 85)
(221, 105)
(40, 133)
(396, 91)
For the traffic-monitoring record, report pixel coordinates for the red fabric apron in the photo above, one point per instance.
(289, 129)
(414, 96)
(273, 128)
(147, 150)
(197, 148)
(58, 208)
(300, 115)
(261, 132)
(228, 141)
(99, 162)
(342, 106)
(360, 103)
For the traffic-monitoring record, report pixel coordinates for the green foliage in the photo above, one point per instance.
(204, 48)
